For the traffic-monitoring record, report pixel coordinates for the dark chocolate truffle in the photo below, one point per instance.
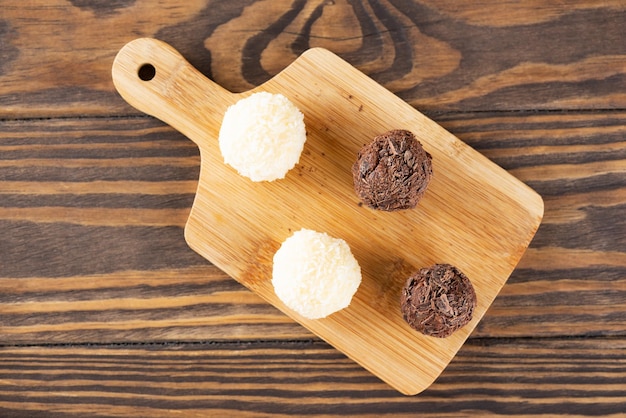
(392, 172)
(438, 300)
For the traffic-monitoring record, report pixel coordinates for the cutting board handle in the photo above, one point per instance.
(155, 79)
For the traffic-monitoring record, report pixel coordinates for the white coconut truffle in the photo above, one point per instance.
(262, 136)
(315, 274)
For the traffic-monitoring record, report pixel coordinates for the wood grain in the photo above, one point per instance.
(476, 216)
(491, 378)
(123, 213)
(91, 193)
(435, 55)
(571, 279)
(65, 219)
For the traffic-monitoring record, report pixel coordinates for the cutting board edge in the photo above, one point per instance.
(315, 51)
(312, 52)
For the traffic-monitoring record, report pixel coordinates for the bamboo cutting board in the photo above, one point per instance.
(474, 214)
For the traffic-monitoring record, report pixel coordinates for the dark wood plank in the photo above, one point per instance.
(491, 377)
(571, 280)
(104, 311)
(92, 212)
(56, 56)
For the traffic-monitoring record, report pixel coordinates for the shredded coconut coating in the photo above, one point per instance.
(262, 136)
(315, 274)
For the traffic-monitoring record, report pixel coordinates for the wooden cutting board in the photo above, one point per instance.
(474, 214)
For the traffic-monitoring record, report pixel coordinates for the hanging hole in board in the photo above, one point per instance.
(146, 72)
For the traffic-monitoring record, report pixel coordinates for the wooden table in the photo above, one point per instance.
(105, 311)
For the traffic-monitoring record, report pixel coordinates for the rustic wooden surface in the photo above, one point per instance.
(104, 310)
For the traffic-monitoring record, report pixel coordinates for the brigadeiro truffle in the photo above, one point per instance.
(392, 172)
(315, 274)
(438, 300)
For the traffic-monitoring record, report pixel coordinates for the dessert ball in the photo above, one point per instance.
(392, 172)
(262, 136)
(438, 300)
(315, 274)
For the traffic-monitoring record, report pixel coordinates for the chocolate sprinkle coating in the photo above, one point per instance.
(438, 300)
(392, 172)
